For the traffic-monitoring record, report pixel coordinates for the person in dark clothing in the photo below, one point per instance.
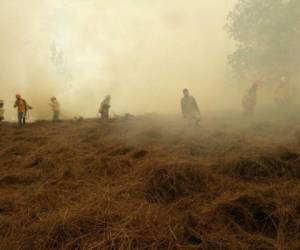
(189, 108)
(104, 108)
(1, 110)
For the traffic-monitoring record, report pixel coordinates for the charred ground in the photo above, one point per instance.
(150, 183)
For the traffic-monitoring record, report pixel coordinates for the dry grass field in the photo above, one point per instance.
(150, 182)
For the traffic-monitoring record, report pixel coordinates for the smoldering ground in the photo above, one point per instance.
(146, 181)
(137, 182)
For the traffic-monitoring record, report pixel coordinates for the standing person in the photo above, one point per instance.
(55, 108)
(189, 108)
(23, 108)
(249, 100)
(282, 94)
(104, 108)
(1, 110)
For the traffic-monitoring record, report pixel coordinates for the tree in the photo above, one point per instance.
(267, 35)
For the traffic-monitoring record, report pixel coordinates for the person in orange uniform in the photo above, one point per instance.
(23, 108)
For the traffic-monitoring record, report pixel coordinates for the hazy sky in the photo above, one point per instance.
(141, 52)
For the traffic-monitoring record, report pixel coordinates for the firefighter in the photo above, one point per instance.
(55, 106)
(23, 108)
(104, 108)
(1, 110)
(282, 94)
(189, 108)
(249, 100)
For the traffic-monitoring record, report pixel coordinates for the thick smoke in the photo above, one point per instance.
(142, 52)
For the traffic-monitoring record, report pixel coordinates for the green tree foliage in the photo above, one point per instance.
(267, 35)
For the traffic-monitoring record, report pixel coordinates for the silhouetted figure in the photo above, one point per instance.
(282, 93)
(1, 110)
(55, 109)
(249, 100)
(104, 108)
(189, 108)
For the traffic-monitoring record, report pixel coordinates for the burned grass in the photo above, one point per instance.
(279, 163)
(146, 184)
(171, 182)
(23, 180)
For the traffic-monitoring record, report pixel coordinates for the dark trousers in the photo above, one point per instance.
(22, 118)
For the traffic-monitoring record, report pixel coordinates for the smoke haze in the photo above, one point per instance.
(142, 52)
